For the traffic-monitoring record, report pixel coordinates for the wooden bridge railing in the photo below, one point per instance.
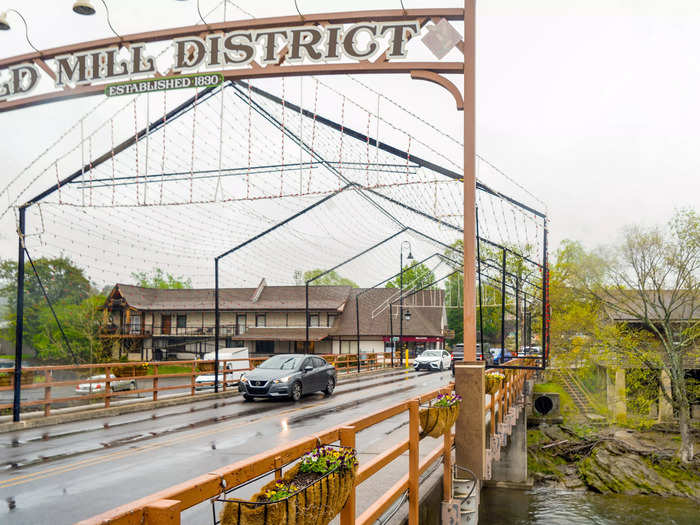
(167, 505)
(45, 378)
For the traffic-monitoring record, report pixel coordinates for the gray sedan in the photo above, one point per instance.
(288, 375)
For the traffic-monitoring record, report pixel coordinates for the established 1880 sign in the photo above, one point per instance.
(322, 43)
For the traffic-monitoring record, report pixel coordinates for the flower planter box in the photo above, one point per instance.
(438, 419)
(492, 383)
(435, 421)
(316, 500)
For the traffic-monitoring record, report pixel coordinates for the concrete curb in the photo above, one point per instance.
(75, 414)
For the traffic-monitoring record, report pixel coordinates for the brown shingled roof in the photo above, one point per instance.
(425, 320)
(272, 298)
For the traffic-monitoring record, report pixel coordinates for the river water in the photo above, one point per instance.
(546, 506)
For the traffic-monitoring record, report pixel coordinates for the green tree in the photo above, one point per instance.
(652, 282)
(64, 283)
(81, 323)
(414, 276)
(157, 278)
(330, 279)
(575, 315)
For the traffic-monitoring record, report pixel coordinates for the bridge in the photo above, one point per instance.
(187, 456)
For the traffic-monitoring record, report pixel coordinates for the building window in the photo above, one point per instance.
(135, 324)
(260, 320)
(240, 324)
(331, 319)
(314, 320)
(181, 323)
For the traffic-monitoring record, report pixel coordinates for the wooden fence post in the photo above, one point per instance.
(108, 385)
(155, 382)
(413, 461)
(194, 373)
(48, 379)
(447, 466)
(347, 515)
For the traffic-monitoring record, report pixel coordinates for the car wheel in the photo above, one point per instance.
(295, 394)
(246, 397)
(330, 386)
(441, 367)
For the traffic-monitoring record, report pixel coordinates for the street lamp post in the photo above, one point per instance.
(410, 258)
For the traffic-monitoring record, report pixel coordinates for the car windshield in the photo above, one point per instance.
(97, 377)
(431, 353)
(282, 362)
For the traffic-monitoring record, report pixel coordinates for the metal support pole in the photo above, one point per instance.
(481, 299)
(401, 307)
(357, 318)
(217, 319)
(306, 317)
(526, 330)
(517, 314)
(391, 333)
(503, 308)
(545, 297)
(19, 323)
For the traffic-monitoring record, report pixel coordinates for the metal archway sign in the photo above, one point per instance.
(249, 49)
(316, 44)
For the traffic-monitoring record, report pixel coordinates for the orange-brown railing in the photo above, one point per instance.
(43, 378)
(165, 506)
(501, 401)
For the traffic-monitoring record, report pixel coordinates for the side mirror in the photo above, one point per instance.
(308, 368)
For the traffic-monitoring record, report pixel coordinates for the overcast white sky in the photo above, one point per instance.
(592, 105)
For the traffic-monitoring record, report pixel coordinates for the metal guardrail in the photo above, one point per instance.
(44, 377)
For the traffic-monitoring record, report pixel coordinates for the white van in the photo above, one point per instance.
(206, 381)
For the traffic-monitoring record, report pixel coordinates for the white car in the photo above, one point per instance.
(115, 385)
(433, 360)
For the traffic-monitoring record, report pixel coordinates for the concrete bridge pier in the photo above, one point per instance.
(510, 471)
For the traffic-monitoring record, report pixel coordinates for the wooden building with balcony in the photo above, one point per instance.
(159, 324)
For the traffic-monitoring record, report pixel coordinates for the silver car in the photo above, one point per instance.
(116, 385)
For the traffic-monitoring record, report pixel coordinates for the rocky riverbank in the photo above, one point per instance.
(618, 461)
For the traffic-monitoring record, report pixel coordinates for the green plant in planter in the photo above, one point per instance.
(439, 418)
(312, 492)
(281, 490)
(492, 382)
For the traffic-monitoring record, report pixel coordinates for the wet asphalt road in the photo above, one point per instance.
(69, 472)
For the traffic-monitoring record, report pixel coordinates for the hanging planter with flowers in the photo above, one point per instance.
(492, 382)
(312, 492)
(440, 416)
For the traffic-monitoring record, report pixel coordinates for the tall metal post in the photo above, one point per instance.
(391, 334)
(481, 299)
(469, 240)
(545, 297)
(357, 318)
(517, 314)
(19, 323)
(217, 316)
(503, 308)
(306, 323)
(401, 308)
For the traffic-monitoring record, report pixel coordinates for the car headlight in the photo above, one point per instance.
(282, 380)
(244, 379)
